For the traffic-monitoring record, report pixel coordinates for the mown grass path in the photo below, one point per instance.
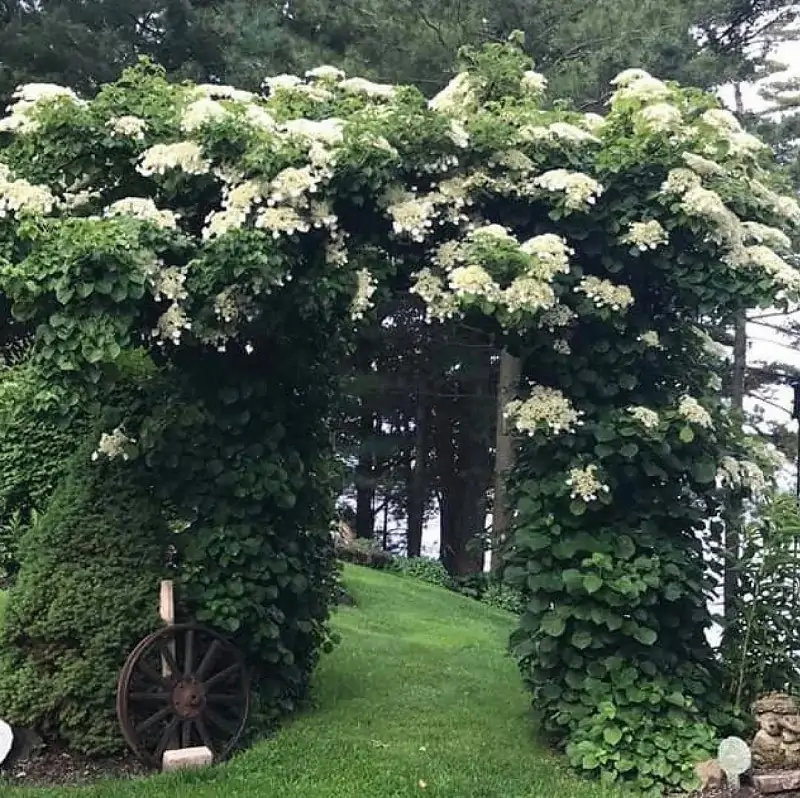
(420, 699)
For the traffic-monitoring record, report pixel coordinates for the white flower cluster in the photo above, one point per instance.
(413, 215)
(727, 127)
(232, 305)
(218, 91)
(645, 416)
(693, 412)
(143, 208)
(528, 294)
(546, 408)
(579, 189)
(741, 474)
(781, 205)
(168, 282)
(473, 280)
(440, 304)
(774, 265)
(20, 196)
(362, 301)
(457, 98)
(187, 156)
(604, 293)
(551, 255)
(171, 325)
(661, 117)
(650, 339)
(113, 445)
(533, 83)
(382, 91)
(706, 204)
(769, 236)
(559, 132)
(237, 202)
(326, 73)
(679, 181)
(585, 484)
(555, 317)
(646, 235)
(127, 126)
(636, 85)
(281, 220)
(702, 166)
(25, 100)
(201, 112)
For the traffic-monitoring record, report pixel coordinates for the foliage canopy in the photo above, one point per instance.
(237, 241)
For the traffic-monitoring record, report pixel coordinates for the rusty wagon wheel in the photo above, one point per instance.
(183, 686)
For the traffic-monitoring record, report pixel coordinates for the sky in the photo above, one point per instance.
(764, 343)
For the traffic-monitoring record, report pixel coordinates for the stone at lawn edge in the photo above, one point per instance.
(186, 759)
(710, 774)
(771, 783)
(734, 758)
(6, 740)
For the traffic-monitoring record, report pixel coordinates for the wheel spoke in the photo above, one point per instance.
(169, 657)
(205, 663)
(226, 725)
(225, 699)
(165, 738)
(149, 696)
(153, 719)
(186, 734)
(204, 735)
(153, 675)
(218, 677)
(188, 658)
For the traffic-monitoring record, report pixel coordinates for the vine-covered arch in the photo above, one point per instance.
(235, 240)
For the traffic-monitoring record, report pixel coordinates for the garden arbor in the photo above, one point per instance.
(230, 242)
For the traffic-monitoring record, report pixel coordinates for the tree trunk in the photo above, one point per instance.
(464, 476)
(416, 491)
(365, 483)
(735, 512)
(507, 387)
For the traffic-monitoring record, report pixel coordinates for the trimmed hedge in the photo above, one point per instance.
(87, 591)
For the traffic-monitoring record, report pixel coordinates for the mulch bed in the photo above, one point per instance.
(52, 767)
(745, 791)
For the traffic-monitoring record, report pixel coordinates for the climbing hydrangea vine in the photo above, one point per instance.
(238, 238)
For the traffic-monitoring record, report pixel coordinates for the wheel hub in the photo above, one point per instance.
(189, 698)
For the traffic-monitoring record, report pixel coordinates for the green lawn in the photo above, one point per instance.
(418, 700)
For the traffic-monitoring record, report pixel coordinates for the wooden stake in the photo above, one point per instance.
(166, 609)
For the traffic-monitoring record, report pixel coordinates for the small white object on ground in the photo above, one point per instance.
(6, 740)
(735, 759)
(186, 759)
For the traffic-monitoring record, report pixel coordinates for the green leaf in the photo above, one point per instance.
(629, 450)
(704, 471)
(645, 635)
(592, 583)
(624, 547)
(553, 624)
(612, 735)
(581, 639)
(577, 507)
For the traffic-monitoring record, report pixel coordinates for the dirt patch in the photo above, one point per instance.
(51, 767)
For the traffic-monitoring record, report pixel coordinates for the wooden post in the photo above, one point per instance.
(166, 609)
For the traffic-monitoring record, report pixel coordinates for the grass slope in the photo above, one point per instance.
(418, 700)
